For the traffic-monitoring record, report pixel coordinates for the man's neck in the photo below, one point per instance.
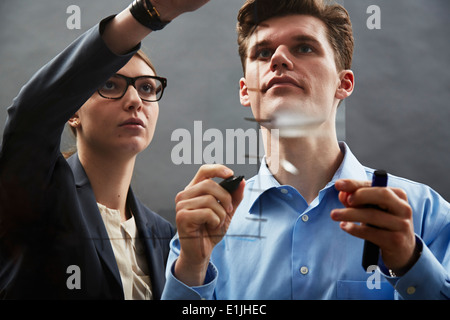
(110, 179)
(306, 163)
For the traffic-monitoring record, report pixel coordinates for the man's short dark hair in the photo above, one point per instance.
(333, 15)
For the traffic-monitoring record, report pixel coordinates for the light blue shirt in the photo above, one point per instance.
(279, 247)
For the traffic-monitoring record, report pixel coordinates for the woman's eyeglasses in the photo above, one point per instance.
(149, 88)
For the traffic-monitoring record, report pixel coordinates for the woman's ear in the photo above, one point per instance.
(74, 121)
(346, 85)
(243, 93)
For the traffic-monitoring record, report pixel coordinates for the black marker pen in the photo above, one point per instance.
(372, 251)
(232, 183)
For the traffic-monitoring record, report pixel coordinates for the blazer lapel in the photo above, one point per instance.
(91, 215)
(149, 236)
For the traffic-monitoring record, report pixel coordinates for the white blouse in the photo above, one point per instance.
(129, 253)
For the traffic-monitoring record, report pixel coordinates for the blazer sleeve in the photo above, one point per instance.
(31, 141)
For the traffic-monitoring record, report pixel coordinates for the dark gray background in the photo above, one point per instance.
(396, 119)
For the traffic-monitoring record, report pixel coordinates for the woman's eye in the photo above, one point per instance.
(148, 88)
(109, 85)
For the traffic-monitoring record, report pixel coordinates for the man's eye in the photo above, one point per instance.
(305, 49)
(264, 54)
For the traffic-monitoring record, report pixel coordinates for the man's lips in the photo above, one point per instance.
(133, 122)
(283, 80)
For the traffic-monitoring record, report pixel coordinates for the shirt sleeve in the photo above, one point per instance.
(427, 279)
(177, 290)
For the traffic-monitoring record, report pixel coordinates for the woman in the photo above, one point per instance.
(73, 228)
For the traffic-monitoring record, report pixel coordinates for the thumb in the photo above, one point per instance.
(238, 195)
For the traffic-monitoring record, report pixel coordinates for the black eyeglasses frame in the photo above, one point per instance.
(132, 81)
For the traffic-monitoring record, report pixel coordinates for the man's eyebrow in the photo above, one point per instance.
(298, 38)
(258, 44)
(308, 38)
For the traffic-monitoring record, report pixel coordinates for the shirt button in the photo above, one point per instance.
(284, 191)
(304, 270)
(305, 218)
(411, 290)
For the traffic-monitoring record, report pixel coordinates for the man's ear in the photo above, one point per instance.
(243, 93)
(346, 85)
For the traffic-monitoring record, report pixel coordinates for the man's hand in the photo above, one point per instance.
(170, 9)
(394, 234)
(204, 212)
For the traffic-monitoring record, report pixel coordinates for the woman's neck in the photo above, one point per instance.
(110, 178)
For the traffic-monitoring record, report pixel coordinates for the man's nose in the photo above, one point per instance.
(281, 59)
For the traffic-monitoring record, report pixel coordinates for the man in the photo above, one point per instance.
(286, 239)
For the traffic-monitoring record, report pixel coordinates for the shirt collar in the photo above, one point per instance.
(262, 182)
(350, 168)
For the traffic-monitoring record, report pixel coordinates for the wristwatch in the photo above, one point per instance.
(148, 17)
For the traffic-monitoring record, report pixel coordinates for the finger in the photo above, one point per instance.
(349, 186)
(191, 223)
(238, 194)
(191, 220)
(368, 216)
(400, 193)
(205, 201)
(389, 199)
(205, 187)
(209, 171)
(376, 236)
(343, 198)
(394, 244)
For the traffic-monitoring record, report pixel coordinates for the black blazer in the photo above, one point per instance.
(49, 219)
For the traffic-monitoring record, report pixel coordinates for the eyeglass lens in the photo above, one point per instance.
(148, 88)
